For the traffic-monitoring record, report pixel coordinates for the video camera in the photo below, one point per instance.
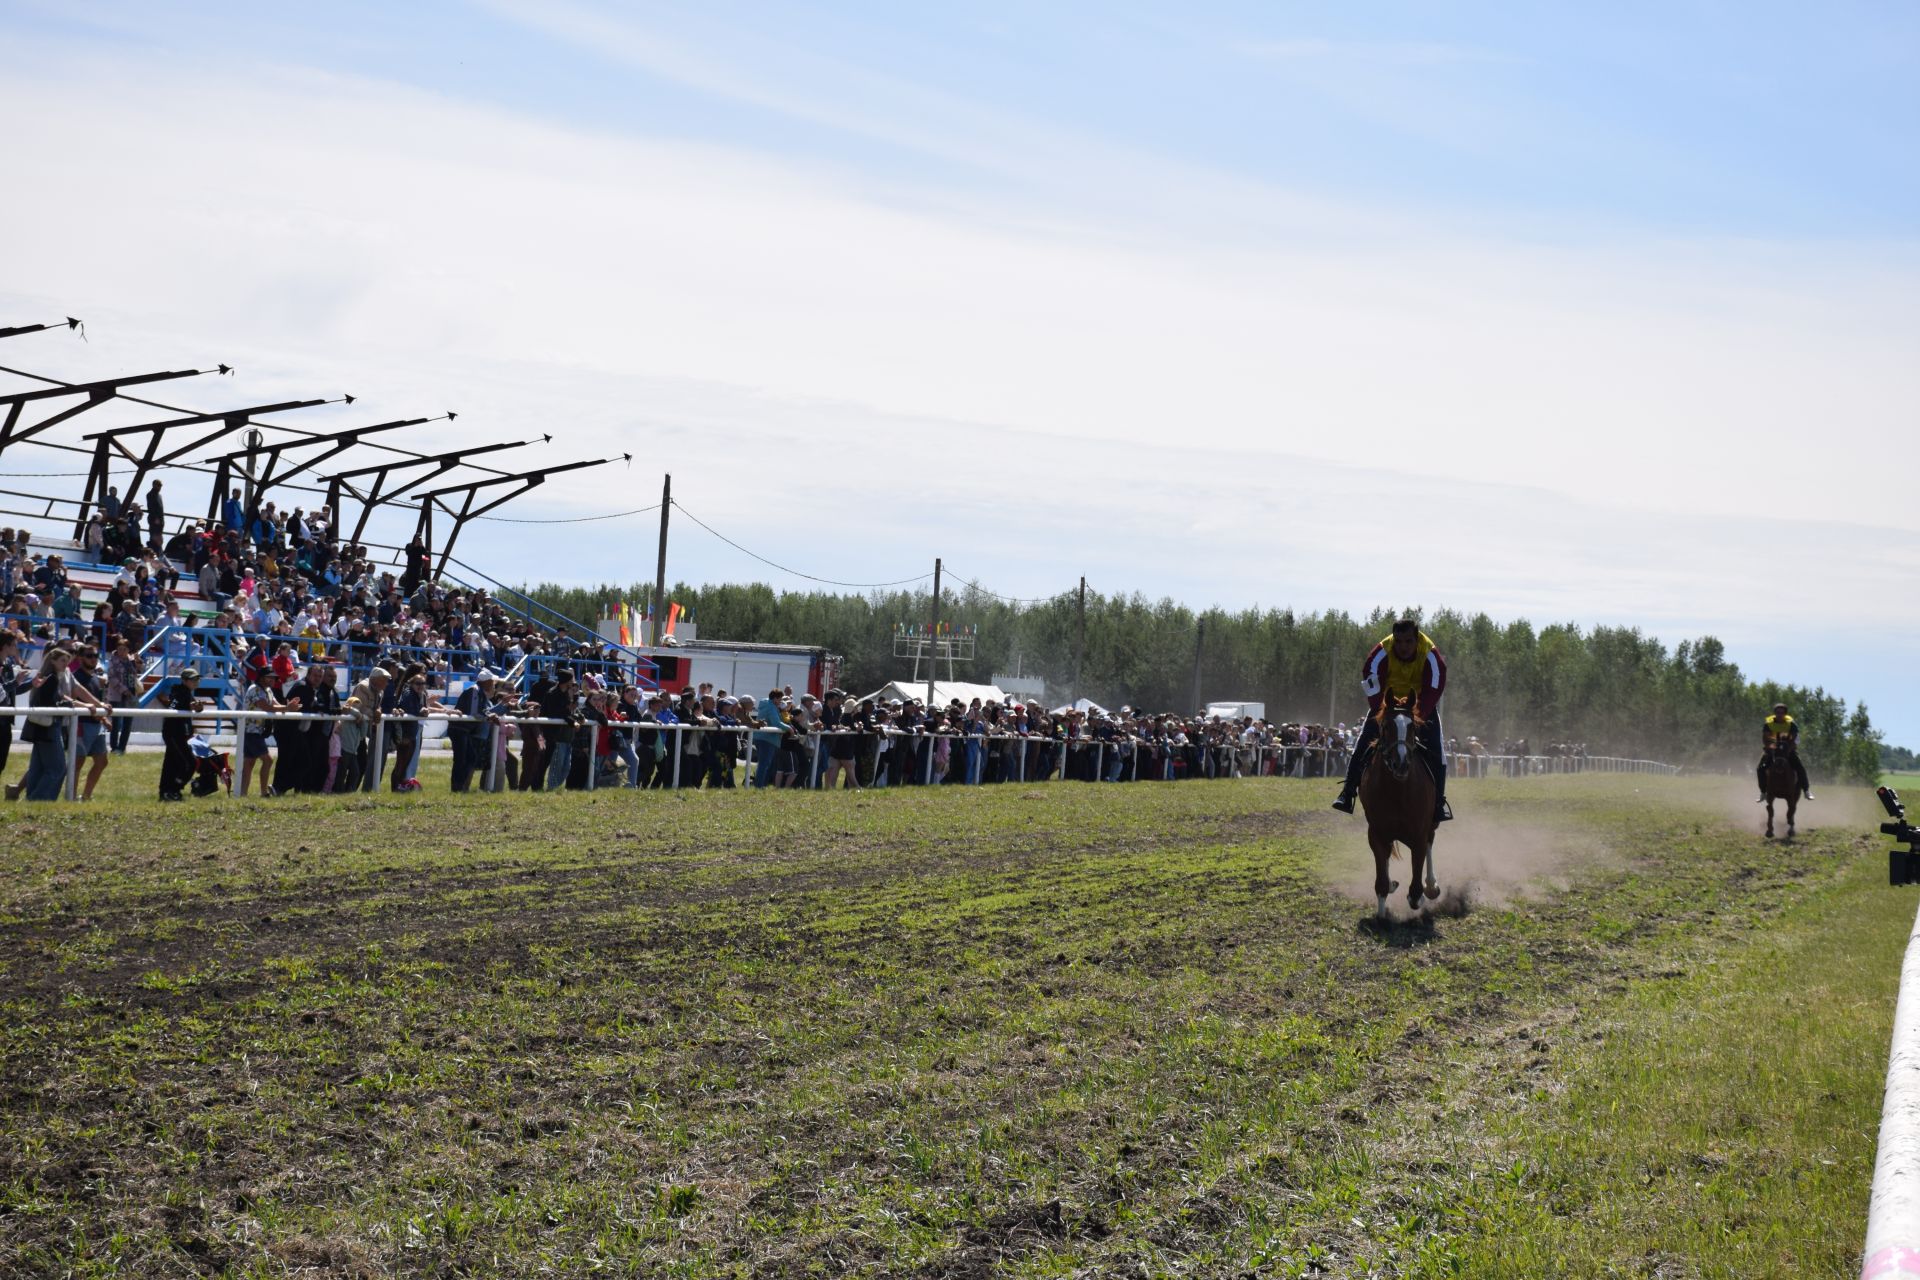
(1903, 865)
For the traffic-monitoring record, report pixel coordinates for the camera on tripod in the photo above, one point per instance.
(1903, 865)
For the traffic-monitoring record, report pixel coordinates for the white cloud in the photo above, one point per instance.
(1587, 432)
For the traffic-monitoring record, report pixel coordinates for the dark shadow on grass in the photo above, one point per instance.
(1398, 931)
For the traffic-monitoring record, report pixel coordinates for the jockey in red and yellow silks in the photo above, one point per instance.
(1405, 664)
(1779, 734)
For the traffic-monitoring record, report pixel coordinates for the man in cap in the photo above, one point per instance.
(468, 731)
(557, 704)
(365, 703)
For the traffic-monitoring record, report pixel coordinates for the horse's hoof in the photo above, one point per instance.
(1433, 891)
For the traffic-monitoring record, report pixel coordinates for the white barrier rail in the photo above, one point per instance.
(1893, 1212)
(1031, 757)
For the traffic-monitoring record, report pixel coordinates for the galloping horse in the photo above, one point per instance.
(1781, 785)
(1396, 792)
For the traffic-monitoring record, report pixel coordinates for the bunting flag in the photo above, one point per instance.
(626, 633)
(673, 617)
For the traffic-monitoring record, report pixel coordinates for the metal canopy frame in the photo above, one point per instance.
(95, 393)
(378, 495)
(241, 463)
(15, 331)
(146, 461)
(470, 494)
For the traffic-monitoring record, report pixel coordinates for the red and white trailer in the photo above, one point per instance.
(745, 669)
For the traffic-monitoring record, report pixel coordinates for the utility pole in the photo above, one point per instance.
(1079, 644)
(1199, 647)
(933, 636)
(1333, 673)
(660, 573)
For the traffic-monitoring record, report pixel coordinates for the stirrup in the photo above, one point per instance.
(1443, 812)
(1345, 803)
(1808, 793)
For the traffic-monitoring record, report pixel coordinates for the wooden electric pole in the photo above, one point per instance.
(1079, 643)
(660, 572)
(933, 636)
(1199, 648)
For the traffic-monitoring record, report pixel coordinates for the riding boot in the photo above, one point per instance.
(1351, 786)
(1761, 775)
(1442, 811)
(1800, 776)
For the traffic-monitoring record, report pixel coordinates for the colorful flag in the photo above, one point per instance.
(626, 634)
(673, 617)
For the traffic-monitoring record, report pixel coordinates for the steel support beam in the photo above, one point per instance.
(107, 444)
(15, 331)
(334, 444)
(377, 494)
(93, 395)
(471, 507)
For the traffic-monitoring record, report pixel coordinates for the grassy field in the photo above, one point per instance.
(1025, 1031)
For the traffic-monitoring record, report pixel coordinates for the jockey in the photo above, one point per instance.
(1778, 732)
(1404, 665)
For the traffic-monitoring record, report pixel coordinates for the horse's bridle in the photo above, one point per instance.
(1397, 753)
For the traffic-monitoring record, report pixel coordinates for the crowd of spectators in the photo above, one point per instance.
(700, 736)
(284, 581)
(568, 733)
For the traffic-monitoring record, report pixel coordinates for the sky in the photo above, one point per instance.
(1603, 316)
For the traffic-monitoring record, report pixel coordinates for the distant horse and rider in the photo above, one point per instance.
(1781, 773)
(1399, 766)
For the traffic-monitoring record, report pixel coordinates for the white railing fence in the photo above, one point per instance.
(1893, 1212)
(884, 752)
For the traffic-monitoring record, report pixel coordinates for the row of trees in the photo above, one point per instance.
(1612, 688)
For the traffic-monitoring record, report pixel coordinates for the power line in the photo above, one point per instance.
(637, 511)
(1008, 599)
(831, 582)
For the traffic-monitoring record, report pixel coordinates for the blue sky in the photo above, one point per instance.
(1140, 292)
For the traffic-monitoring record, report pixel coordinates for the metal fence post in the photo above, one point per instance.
(376, 757)
(73, 757)
(489, 781)
(679, 740)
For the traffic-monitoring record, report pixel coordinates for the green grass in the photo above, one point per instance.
(1027, 1031)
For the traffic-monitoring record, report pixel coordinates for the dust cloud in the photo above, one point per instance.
(1479, 861)
(1853, 808)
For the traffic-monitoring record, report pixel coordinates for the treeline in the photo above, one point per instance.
(1612, 688)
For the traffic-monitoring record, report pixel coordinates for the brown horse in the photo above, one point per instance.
(1781, 785)
(1396, 792)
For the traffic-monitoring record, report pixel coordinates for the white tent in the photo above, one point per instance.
(1087, 705)
(944, 692)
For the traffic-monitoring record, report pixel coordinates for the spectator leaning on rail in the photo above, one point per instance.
(176, 766)
(15, 680)
(87, 689)
(556, 703)
(469, 734)
(47, 734)
(1404, 664)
